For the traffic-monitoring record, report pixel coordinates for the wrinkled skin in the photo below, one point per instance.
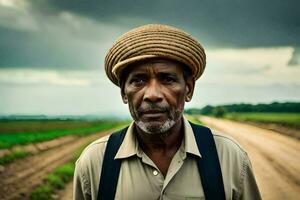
(156, 92)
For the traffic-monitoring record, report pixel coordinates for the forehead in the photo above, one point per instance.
(156, 66)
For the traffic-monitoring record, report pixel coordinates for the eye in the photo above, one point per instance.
(168, 79)
(137, 81)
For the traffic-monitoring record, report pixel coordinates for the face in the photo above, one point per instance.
(156, 92)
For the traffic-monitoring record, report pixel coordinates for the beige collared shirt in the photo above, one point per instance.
(140, 179)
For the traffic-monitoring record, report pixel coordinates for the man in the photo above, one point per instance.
(161, 155)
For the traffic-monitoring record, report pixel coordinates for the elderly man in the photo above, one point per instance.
(161, 155)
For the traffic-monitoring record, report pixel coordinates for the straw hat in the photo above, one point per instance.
(154, 41)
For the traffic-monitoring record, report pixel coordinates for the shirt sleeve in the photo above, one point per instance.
(80, 185)
(248, 188)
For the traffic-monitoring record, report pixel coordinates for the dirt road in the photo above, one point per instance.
(275, 158)
(19, 178)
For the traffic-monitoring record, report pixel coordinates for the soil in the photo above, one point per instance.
(274, 156)
(19, 178)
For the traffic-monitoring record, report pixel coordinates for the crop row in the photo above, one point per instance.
(8, 140)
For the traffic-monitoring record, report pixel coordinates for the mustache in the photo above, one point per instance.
(153, 107)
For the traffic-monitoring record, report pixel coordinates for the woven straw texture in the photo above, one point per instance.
(154, 41)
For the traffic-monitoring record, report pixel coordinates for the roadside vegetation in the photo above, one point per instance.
(54, 181)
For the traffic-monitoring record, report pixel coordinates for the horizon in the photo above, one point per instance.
(114, 115)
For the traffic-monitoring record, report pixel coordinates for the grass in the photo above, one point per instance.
(285, 119)
(61, 176)
(17, 154)
(55, 180)
(43, 192)
(8, 140)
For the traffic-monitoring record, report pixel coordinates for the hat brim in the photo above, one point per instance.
(120, 66)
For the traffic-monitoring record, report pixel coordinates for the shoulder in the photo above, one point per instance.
(93, 153)
(236, 167)
(233, 159)
(94, 146)
(91, 158)
(227, 144)
(232, 156)
(89, 163)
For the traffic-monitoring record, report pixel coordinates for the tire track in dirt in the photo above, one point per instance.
(275, 157)
(19, 178)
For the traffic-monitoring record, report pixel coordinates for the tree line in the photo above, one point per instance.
(286, 107)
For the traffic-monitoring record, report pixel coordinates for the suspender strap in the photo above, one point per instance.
(208, 165)
(110, 167)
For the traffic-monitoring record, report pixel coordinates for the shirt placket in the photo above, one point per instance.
(155, 171)
(174, 167)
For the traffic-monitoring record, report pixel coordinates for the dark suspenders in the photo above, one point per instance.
(110, 167)
(208, 165)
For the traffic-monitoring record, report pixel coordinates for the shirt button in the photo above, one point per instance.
(155, 172)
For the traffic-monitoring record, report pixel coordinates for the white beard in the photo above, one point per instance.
(147, 127)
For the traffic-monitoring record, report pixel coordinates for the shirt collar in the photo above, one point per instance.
(190, 144)
(130, 146)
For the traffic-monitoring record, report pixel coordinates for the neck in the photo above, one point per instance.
(161, 142)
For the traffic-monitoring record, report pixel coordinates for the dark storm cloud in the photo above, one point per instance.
(227, 22)
(217, 24)
(25, 49)
(19, 49)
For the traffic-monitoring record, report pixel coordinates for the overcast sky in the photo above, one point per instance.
(52, 51)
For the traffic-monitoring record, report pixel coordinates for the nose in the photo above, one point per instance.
(153, 92)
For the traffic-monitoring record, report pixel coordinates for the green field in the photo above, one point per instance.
(24, 132)
(285, 119)
(17, 126)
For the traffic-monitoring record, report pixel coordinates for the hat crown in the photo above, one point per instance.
(154, 40)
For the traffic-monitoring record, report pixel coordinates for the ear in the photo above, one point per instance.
(189, 89)
(124, 96)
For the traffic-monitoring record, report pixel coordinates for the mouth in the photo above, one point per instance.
(153, 113)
